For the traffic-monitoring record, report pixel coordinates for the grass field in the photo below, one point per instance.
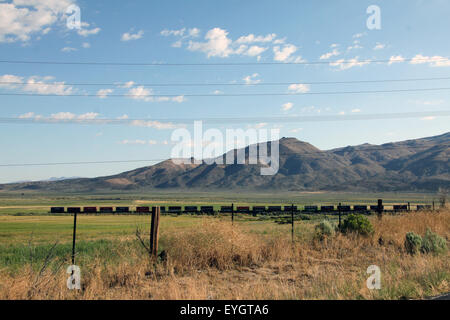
(208, 257)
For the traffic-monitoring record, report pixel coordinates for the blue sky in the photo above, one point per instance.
(206, 32)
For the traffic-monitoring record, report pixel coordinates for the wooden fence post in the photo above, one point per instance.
(409, 207)
(380, 208)
(154, 228)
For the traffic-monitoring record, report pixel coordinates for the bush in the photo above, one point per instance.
(413, 243)
(324, 229)
(357, 223)
(433, 243)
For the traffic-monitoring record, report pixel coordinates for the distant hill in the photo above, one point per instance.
(412, 165)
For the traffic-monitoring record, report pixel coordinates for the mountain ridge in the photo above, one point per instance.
(409, 165)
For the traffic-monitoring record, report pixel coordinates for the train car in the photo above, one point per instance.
(142, 209)
(190, 209)
(106, 210)
(243, 209)
(274, 209)
(289, 208)
(423, 207)
(89, 209)
(122, 209)
(73, 210)
(401, 207)
(226, 209)
(375, 208)
(327, 208)
(207, 209)
(311, 209)
(175, 209)
(57, 210)
(162, 209)
(259, 209)
(344, 208)
(360, 208)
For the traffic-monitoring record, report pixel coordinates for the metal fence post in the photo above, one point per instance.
(74, 237)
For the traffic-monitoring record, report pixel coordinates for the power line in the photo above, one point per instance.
(157, 64)
(225, 84)
(170, 122)
(149, 96)
(319, 152)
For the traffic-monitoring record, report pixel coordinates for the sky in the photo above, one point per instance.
(52, 113)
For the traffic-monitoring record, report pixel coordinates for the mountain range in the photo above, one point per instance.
(411, 165)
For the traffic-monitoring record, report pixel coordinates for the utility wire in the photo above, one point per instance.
(153, 64)
(154, 122)
(117, 83)
(149, 96)
(331, 152)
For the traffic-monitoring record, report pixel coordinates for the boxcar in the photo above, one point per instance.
(311, 209)
(142, 209)
(225, 209)
(327, 208)
(401, 207)
(106, 210)
(344, 208)
(207, 209)
(57, 209)
(174, 209)
(90, 209)
(359, 208)
(73, 210)
(259, 209)
(423, 207)
(190, 209)
(243, 209)
(274, 209)
(375, 208)
(122, 209)
(289, 208)
(162, 209)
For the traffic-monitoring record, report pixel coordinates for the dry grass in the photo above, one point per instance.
(218, 261)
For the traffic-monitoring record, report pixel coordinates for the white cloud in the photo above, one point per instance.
(334, 45)
(283, 54)
(299, 88)
(296, 130)
(86, 45)
(328, 55)
(217, 44)
(435, 61)
(88, 116)
(251, 38)
(68, 49)
(379, 46)
(287, 106)
(359, 35)
(255, 51)
(127, 36)
(356, 110)
(84, 32)
(179, 32)
(103, 93)
(154, 124)
(395, 59)
(137, 141)
(20, 19)
(128, 84)
(194, 32)
(251, 79)
(428, 118)
(28, 115)
(347, 64)
(123, 117)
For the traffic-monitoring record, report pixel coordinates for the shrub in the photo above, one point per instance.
(413, 243)
(433, 243)
(324, 229)
(357, 223)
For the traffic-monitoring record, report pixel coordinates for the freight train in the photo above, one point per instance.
(236, 209)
